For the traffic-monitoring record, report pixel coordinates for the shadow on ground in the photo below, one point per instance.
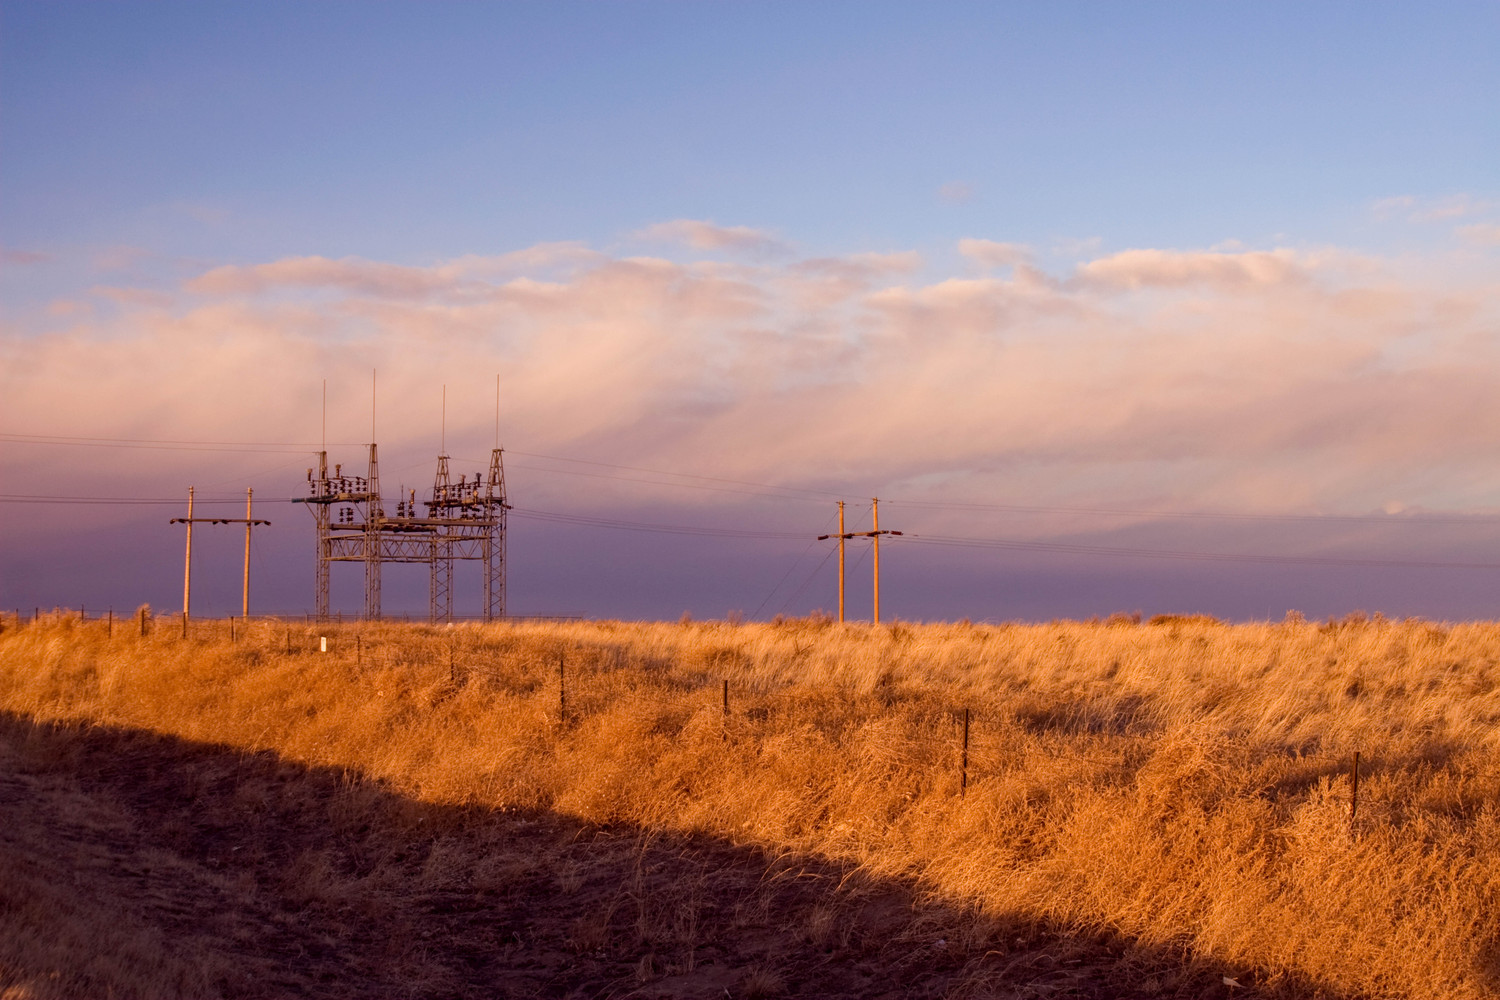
(135, 864)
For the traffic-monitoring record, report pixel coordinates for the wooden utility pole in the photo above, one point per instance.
(842, 537)
(875, 537)
(187, 562)
(245, 593)
(187, 569)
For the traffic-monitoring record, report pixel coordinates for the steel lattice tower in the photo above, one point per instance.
(462, 521)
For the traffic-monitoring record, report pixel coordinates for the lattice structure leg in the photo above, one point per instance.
(441, 592)
(321, 517)
(373, 517)
(372, 577)
(489, 577)
(494, 573)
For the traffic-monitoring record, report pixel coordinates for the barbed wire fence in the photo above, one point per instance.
(977, 744)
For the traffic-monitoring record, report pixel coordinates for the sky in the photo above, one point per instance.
(1156, 307)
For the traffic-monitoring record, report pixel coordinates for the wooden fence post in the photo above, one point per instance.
(1354, 792)
(562, 692)
(963, 778)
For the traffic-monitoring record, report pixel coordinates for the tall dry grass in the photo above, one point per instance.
(1183, 783)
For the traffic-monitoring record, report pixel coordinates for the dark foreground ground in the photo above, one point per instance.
(139, 865)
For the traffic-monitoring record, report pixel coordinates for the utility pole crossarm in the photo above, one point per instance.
(187, 562)
(874, 537)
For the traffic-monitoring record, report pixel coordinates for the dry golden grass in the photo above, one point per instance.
(1181, 785)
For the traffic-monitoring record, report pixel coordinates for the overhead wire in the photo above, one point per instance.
(790, 569)
(714, 484)
(1070, 548)
(725, 484)
(286, 448)
(1415, 517)
(807, 582)
(683, 475)
(678, 480)
(128, 501)
(590, 521)
(1110, 550)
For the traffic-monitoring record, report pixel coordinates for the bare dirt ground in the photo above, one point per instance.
(139, 865)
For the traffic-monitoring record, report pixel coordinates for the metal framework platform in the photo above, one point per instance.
(463, 520)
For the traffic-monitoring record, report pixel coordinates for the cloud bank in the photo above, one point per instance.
(1268, 380)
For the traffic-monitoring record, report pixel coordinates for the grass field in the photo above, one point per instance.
(1160, 809)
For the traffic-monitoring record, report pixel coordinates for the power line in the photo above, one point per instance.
(657, 482)
(683, 475)
(804, 585)
(716, 484)
(589, 521)
(753, 488)
(790, 570)
(283, 448)
(1069, 548)
(1110, 550)
(1416, 518)
(121, 501)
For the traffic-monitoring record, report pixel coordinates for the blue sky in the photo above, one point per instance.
(1260, 237)
(412, 131)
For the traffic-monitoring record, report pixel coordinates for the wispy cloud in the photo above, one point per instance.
(471, 274)
(145, 297)
(701, 234)
(349, 274)
(989, 253)
(1134, 269)
(22, 257)
(1447, 208)
(956, 192)
(1485, 234)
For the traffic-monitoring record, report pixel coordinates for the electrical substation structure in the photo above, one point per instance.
(462, 521)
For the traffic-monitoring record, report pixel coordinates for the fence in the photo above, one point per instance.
(307, 635)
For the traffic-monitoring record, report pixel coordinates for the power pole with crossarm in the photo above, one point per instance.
(874, 536)
(187, 562)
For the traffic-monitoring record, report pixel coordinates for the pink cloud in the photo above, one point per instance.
(120, 258)
(145, 297)
(860, 269)
(67, 308)
(1259, 374)
(22, 257)
(1135, 269)
(956, 192)
(701, 234)
(1485, 234)
(350, 274)
(1444, 209)
(989, 253)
